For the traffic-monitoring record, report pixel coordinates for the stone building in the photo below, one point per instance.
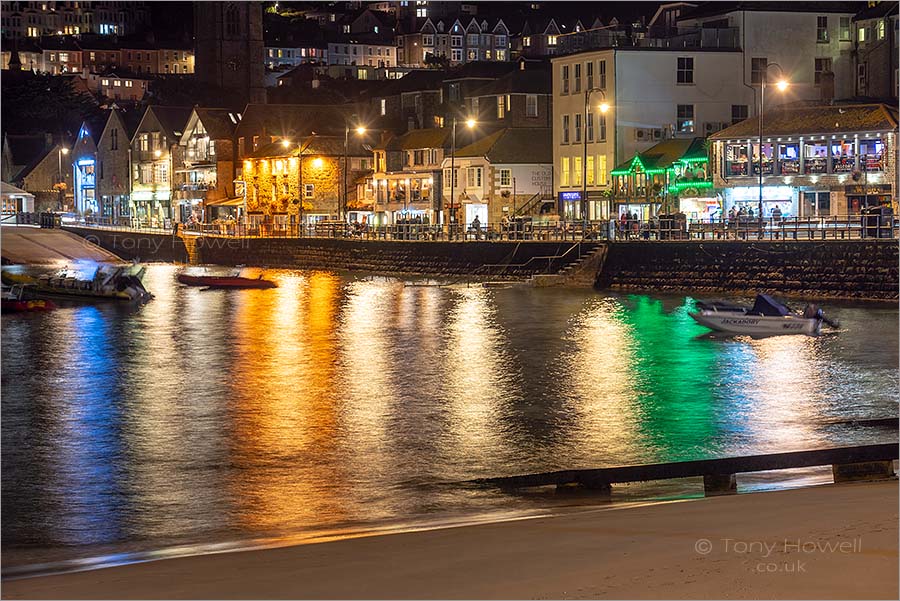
(113, 176)
(816, 161)
(406, 182)
(281, 174)
(206, 175)
(155, 155)
(229, 48)
(262, 124)
(41, 166)
(522, 98)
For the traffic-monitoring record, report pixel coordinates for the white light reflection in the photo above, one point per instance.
(601, 390)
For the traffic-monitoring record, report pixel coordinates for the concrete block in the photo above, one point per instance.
(719, 484)
(869, 470)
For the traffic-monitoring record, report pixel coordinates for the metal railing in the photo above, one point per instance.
(838, 227)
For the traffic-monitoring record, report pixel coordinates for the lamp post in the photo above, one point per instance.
(342, 208)
(470, 123)
(604, 107)
(781, 85)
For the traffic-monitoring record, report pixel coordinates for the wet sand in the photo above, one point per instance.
(826, 542)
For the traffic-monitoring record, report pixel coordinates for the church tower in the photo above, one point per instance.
(229, 49)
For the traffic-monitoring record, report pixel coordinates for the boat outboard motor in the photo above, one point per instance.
(813, 311)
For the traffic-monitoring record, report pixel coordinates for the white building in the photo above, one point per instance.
(498, 174)
(651, 94)
(292, 55)
(353, 51)
(805, 44)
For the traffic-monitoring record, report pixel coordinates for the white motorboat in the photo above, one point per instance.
(766, 317)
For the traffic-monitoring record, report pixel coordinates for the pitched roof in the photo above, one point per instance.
(59, 42)
(131, 118)
(666, 153)
(816, 120)
(27, 151)
(513, 145)
(315, 145)
(527, 81)
(172, 119)
(217, 122)
(881, 9)
(414, 81)
(418, 138)
(292, 120)
(480, 69)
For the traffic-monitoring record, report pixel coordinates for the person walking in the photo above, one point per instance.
(476, 226)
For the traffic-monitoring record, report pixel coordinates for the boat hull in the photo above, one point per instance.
(210, 281)
(27, 306)
(757, 325)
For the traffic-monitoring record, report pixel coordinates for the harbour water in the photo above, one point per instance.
(339, 404)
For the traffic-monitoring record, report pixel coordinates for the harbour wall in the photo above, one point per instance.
(847, 269)
(508, 259)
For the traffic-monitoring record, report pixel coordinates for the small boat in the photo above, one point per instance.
(766, 317)
(109, 282)
(235, 281)
(14, 300)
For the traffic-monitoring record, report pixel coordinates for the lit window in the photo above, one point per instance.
(861, 34)
(685, 118)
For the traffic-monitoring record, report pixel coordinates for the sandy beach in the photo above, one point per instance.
(827, 542)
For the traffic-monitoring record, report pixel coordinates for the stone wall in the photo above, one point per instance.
(855, 269)
(494, 259)
(489, 259)
(131, 245)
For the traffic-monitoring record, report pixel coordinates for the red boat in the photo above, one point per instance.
(225, 281)
(14, 301)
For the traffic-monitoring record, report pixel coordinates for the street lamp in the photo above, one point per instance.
(360, 130)
(470, 123)
(781, 86)
(604, 108)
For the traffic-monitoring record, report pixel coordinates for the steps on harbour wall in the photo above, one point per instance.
(190, 246)
(582, 272)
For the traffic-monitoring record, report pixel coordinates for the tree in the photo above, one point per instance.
(436, 62)
(43, 103)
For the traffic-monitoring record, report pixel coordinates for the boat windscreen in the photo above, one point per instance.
(766, 305)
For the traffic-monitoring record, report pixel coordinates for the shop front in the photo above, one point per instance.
(700, 208)
(862, 196)
(570, 205)
(151, 209)
(746, 198)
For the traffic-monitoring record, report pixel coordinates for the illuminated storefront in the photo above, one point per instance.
(819, 161)
(670, 177)
(84, 176)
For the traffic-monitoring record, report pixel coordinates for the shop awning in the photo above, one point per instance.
(227, 202)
